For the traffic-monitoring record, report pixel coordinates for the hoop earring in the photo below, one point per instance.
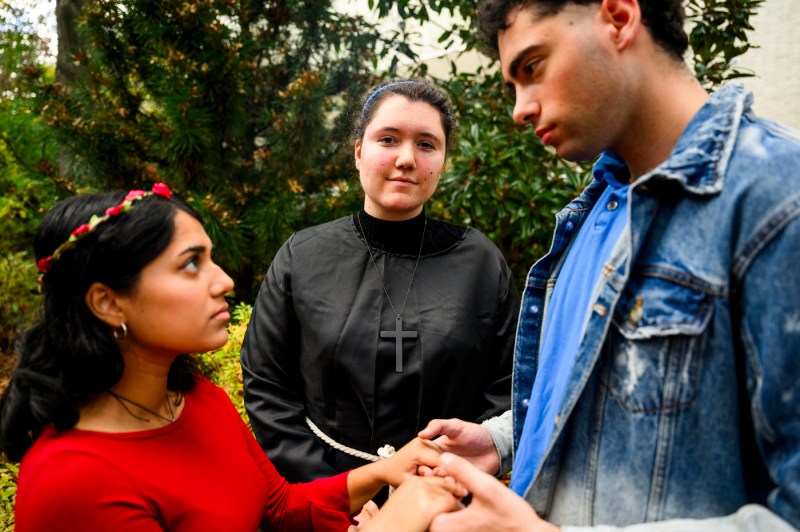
(121, 332)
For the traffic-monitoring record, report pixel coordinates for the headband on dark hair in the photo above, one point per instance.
(82, 230)
(383, 88)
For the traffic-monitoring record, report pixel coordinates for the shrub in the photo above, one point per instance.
(17, 300)
(227, 372)
(8, 489)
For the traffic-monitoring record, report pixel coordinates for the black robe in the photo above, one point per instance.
(313, 345)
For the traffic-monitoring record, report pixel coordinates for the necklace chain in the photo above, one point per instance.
(123, 400)
(372, 258)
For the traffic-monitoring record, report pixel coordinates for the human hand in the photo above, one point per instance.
(365, 481)
(412, 506)
(416, 453)
(368, 511)
(493, 506)
(468, 440)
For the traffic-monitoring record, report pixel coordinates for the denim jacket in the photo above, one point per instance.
(684, 401)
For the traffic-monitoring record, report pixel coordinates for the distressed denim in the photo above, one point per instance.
(684, 401)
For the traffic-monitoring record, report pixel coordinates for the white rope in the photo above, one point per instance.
(384, 452)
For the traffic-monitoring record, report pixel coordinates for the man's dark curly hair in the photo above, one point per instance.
(663, 18)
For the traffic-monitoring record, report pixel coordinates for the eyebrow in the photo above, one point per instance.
(513, 68)
(193, 249)
(397, 130)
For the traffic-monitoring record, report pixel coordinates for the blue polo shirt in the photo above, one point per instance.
(566, 315)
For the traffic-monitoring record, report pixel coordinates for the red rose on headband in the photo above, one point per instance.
(114, 211)
(162, 190)
(133, 194)
(43, 264)
(81, 229)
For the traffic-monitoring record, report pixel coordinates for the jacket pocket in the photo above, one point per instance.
(653, 350)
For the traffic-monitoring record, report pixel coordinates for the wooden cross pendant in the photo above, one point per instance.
(398, 334)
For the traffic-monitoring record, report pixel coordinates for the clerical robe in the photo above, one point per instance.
(314, 347)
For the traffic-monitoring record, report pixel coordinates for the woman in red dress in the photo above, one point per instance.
(116, 425)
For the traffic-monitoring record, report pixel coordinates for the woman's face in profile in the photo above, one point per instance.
(178, 305)
(400, 158)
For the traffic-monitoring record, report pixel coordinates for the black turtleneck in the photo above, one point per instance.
(402, 237)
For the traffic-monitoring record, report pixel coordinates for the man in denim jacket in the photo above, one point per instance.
(659, 349)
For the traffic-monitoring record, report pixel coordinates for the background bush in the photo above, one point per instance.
(227, 370)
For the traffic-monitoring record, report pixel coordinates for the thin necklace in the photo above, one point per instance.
(123, 400)
(398, 333)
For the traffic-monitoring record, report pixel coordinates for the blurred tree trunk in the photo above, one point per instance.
(67, 68)
(67, 12)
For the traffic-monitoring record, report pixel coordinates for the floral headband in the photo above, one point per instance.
(127, 204)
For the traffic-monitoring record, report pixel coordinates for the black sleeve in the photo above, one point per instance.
(273, 386)
(497, 397)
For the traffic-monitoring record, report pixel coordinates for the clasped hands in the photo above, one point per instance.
(464, 461)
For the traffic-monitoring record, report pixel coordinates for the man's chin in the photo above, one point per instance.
(576, 154)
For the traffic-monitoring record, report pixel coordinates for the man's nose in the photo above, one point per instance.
(526, 107)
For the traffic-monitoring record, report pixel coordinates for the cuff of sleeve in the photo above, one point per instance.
(331, 492)
(500, 429)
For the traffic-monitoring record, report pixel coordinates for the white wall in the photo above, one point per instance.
(776, 62)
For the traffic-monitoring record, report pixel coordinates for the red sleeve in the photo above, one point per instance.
(320, 505)
(84, 493)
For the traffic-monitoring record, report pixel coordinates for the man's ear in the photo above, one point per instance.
(104, 303)
(358, 154)
(624, 19)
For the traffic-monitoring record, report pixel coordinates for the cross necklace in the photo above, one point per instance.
(398, 333)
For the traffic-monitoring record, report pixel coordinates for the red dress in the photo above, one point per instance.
(205, 471)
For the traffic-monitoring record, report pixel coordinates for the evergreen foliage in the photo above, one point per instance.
(241, 106)
(28, 176)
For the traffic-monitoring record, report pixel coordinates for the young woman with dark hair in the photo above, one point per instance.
(115, 423)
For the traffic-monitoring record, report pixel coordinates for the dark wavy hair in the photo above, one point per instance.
(69, 356)
(664, 20)
(413, 89)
